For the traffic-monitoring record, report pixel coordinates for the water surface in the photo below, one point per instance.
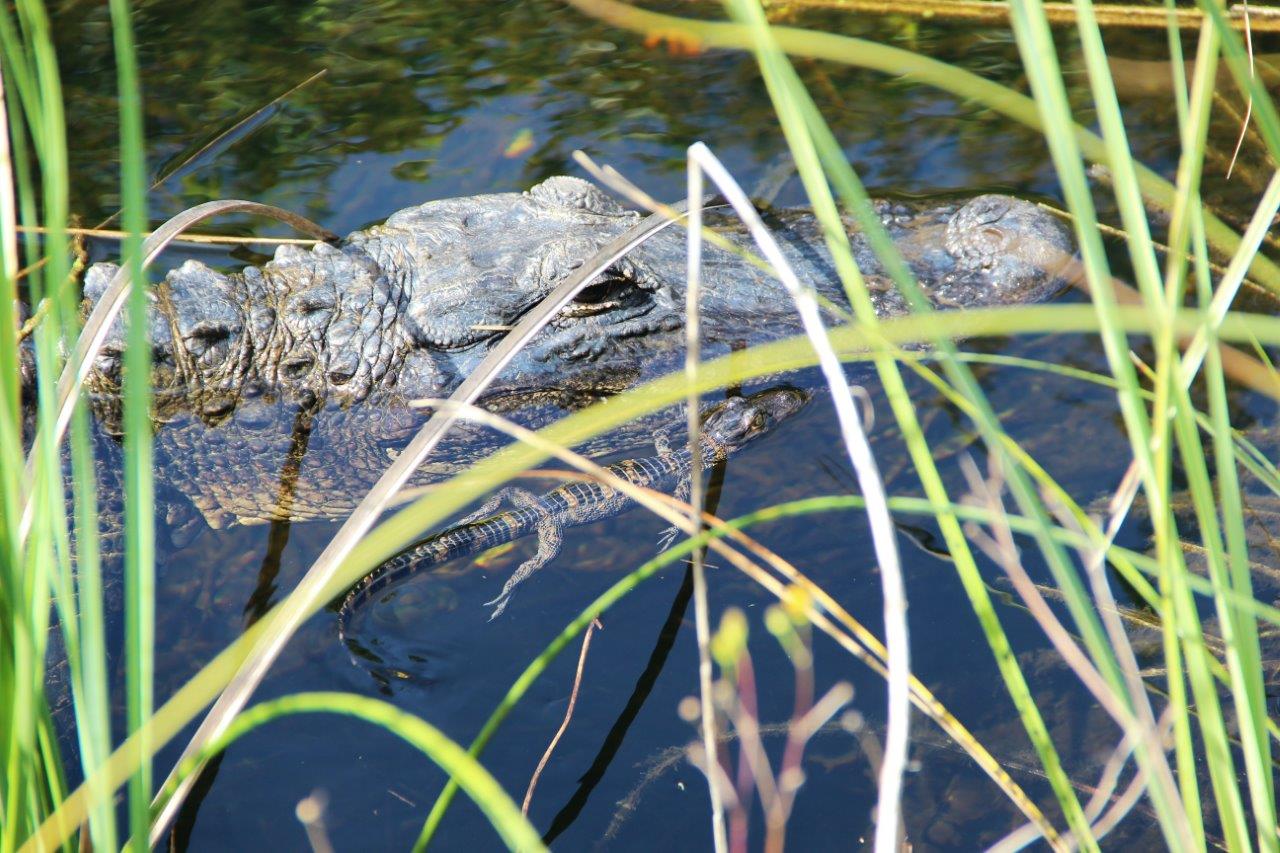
(431, 100)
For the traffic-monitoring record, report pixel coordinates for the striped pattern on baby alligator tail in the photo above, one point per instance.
(726, 427)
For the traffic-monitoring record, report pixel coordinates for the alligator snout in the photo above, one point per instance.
(976, 235)
(1006, 251)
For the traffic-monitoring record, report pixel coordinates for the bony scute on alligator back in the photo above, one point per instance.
(727, 427)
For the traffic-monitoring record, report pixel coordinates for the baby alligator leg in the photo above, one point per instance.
(682, 493)
(550, 538)
(512, 495)
(662, 444)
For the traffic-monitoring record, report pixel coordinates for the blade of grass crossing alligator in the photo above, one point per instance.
(884, 538)
(139, 500)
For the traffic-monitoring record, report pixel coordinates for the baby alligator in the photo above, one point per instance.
(725, 429)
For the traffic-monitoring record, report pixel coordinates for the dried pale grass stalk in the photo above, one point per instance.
(318, 577)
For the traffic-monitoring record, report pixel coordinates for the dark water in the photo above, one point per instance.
(423, 101)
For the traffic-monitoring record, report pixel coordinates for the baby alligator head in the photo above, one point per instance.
(740, 420)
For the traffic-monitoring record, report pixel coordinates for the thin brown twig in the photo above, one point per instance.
(568, 715)
(1114, 15)
(212, 239)
(217, 140)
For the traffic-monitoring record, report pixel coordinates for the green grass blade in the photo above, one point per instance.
(138, 486)
(503, 814)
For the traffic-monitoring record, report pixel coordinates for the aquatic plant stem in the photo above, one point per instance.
(139, 497)
(701, 613)
(863, 461)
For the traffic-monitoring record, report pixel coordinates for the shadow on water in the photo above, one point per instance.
(432, 100)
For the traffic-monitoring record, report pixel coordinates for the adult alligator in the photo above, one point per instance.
(339, 338)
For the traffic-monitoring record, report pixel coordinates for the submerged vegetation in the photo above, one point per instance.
(1198, 731)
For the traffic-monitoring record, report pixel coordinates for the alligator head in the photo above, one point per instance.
(474, 266)
(989, 250)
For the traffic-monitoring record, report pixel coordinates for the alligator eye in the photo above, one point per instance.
(310, 304)
(204, 335)
(209, 331)
(297, 366)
